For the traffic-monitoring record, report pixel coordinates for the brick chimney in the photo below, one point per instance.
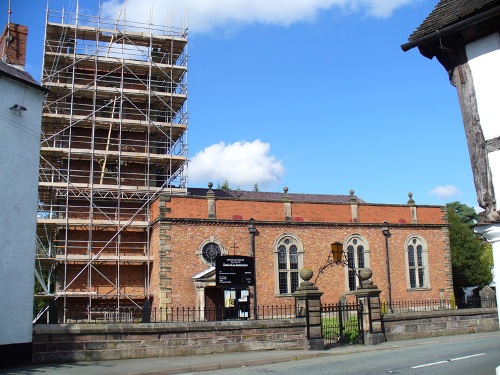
(13, 45)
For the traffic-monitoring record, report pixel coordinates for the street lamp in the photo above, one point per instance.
(253, 231)
(387, 234)
(337, 252)
(337, 256)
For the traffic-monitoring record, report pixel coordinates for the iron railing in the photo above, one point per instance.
(341, 324)
(136, 314)
(436, 305)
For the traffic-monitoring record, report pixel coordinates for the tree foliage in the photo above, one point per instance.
(471, 256)
(466, 214)
(224, 186)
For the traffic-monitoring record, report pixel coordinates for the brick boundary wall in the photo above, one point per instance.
(94, 342)
(402, 326)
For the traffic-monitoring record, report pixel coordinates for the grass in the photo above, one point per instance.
(331, 329)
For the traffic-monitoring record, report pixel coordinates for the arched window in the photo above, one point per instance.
(288, 261)
(417, 266)
(358, 256)
(210, 250)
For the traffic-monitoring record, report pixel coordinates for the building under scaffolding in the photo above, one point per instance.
(113, 136)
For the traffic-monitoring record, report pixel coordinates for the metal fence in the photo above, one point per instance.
(341, 324)
(136, 314)
(336, 315)
(436, 305)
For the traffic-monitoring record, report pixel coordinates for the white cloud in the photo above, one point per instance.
(242, 164)
(383, 8)
(206, 15)
(445, 192)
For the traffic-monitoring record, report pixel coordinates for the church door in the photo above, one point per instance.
(214, 304)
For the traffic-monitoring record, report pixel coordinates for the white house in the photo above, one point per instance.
(20, 121)
(464, 36)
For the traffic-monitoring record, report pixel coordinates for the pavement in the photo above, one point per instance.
(211, 362)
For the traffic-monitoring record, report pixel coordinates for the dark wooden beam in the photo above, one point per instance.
(478, 152)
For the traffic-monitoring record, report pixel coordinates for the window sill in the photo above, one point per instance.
(418, 289)
(350, 292)
(283, 295)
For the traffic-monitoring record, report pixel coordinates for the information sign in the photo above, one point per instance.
(234, 271)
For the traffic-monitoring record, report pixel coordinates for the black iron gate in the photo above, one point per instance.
(341, 324)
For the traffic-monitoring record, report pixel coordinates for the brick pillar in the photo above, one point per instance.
(164, 260)
(369, 296)
(165, 266)
(308, 305)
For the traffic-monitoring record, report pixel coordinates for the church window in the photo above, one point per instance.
(288, 255)
(358, 256)
(417, 272)
(210, 250)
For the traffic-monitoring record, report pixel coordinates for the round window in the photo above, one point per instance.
(210, 252)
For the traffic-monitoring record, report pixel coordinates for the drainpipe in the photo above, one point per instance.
(252, 230)
(387, 233)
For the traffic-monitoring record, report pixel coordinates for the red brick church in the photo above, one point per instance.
(406, 246)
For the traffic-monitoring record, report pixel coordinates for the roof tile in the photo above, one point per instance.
(449, 12)
(273, 196)
(18, 74)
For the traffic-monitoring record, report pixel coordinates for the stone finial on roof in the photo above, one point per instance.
(286, 197)
(210, 192)
(352, 197)
(411, 201)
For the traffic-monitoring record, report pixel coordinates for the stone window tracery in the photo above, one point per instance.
(288, 261)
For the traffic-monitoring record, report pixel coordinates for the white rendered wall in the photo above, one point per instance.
(484, 63)
(492, 234)
(19, 158)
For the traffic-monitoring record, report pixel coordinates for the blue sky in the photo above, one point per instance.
(315, 95)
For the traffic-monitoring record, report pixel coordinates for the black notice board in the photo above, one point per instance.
(234, 271)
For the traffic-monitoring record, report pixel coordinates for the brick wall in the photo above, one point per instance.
(186, 227)
(16, 48)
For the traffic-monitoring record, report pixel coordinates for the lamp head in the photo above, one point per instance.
(385, 229)
(337, 251)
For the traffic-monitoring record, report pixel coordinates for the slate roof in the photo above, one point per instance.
(449, 12)
(19, 75)
(272, 196)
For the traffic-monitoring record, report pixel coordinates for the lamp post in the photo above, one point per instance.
(387, 233)
(252, 231)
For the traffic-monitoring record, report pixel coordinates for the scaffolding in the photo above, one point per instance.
(113, 137)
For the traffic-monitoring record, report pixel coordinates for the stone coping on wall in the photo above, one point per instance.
(131, 328)
(412, 325)
(439, 313)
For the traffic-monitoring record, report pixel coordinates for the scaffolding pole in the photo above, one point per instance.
(113, 138)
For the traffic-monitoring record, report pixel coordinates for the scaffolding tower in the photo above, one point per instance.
(113, 137)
